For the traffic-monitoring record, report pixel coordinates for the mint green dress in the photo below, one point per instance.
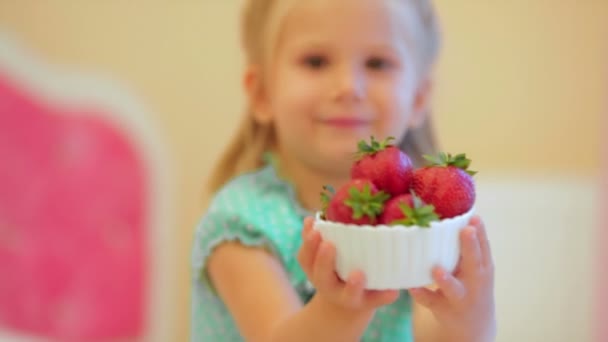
(260, 209)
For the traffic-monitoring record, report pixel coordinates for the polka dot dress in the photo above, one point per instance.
(259, 209)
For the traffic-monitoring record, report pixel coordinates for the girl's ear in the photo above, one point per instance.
(422, 101)
(256, 94)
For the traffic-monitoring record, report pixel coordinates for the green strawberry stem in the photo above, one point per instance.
(326, 196)
(420, 215)
(364, 203)
(373, 146)
(444, 160)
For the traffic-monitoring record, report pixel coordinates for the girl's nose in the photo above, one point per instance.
(349, 84)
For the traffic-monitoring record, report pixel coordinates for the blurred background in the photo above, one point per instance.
(113, 112)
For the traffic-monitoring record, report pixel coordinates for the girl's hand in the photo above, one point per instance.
(318, 259)
(463, 304)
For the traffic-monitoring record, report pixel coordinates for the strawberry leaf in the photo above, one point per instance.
(364, 203)
(444, 160)
(326, 195)
(373, 147)
(420, 215)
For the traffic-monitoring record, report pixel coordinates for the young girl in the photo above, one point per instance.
(322, 75)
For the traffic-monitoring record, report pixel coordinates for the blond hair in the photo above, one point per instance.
(260, 25)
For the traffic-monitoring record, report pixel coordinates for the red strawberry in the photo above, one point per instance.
(447, 184)
(356, 202)
(385, 165)
(408, 210)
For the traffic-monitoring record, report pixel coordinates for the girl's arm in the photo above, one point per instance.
(255, 289)
(426, 327)
(257, 292)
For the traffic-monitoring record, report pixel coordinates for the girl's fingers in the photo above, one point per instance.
(426, 297)
(377, 298)
(308, 251)
(308, 227)
(471, 250)
(484, 243)
(353, 289)
(323, 267)
(451, 287)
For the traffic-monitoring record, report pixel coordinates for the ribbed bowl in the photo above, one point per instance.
(394, 257)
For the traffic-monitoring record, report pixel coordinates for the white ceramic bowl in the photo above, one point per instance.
(395, 257)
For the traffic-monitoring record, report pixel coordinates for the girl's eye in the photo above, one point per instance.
(315, 62)
(378, 63)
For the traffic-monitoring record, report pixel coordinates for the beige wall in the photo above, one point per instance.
(520, 83)
(524, 83)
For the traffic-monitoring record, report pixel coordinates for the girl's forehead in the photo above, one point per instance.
(383, 22)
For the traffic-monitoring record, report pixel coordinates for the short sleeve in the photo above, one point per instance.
(219, 226)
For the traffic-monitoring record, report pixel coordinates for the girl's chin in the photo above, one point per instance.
(341, 159)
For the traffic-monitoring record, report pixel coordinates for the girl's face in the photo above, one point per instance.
(342, 71)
